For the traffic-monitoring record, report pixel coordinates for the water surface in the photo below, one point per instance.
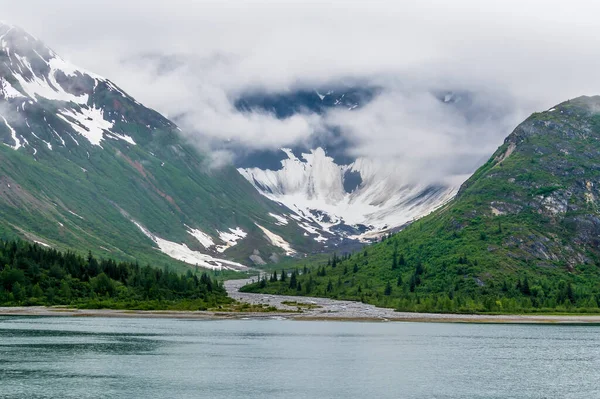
(168, 358)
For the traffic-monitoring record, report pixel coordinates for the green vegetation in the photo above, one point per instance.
(521, 235)
(444, 286)
(32, 275)
(60, 189)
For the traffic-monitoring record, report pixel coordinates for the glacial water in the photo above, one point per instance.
(169, 358)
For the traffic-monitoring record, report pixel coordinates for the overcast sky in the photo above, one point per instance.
(516, 56)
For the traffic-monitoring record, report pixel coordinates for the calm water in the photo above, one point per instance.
(158, 358)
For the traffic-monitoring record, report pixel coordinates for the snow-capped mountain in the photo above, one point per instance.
(32, 74)
(348, 200)
(85, 166)
(346, 197)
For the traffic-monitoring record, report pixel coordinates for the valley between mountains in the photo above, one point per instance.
(107, 203)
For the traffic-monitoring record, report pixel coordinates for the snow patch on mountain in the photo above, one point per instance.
(310, 230)
(47, 87)
(13, 134)
(203, 238)
(313, 187)
(8, 91)
(74, 214)
(59, 64)
(230, 238)
(277, 241)
(88, 122)
(281, 220)
(183, 253)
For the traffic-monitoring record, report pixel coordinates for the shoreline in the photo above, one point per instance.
(321, 309)
(41, 311)
(341, 310)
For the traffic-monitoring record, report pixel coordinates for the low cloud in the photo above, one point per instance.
(429, 137)
(191, 60)
(12, 116)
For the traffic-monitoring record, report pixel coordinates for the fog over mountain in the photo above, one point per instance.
(193, 59)
(358, 117)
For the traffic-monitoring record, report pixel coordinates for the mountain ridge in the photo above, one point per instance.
(85, 165)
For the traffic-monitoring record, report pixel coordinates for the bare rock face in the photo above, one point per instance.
(256, 259)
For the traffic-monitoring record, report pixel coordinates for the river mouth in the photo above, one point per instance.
(301, 309)
(332, 309)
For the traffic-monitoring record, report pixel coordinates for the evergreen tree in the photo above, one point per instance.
(310, 284)
(65, 290)
(525, 290)
(329, 286)
(570, 293)
(412, 283)
(388, 289)
(419, 269)
(293, 281)
(18, 291)
(36, 292)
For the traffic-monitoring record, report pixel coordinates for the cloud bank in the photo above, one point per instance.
(191, 59)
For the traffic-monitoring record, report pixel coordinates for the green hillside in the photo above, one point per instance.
(522, 234)
(84, 166)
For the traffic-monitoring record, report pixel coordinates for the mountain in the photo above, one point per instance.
(83, 165)
(522, 234)
(330, 192)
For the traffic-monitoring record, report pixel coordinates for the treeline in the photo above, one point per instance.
(33, 275)
(409, 285)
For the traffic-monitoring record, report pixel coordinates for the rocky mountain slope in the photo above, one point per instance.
(83, 165)
(522, 234)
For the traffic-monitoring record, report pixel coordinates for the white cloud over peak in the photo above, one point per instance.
(191, 59)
